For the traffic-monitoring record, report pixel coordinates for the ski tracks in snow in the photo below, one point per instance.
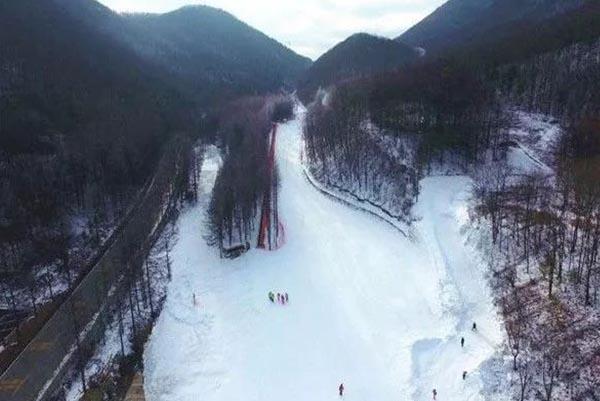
(439, 362)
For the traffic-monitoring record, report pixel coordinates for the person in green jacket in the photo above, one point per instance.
(271, 297)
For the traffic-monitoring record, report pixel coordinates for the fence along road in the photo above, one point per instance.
(81, 319)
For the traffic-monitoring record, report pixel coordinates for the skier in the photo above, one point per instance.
(474, 326)
(287, 299)
(341, 388)
(278, 298)
(462, 342)
(194, 298)
(465, 375)
(434, 393)
(271, 297)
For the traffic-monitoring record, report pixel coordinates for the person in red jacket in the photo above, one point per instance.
(341, 388)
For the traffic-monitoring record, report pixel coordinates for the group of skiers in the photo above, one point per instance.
(281, 298)
(462, 345)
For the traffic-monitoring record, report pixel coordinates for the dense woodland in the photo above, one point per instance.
(543, 229)
(460, 23)
(545, 237)
(554, 71)
(564, 84)
(77, 142)
(87, 107)
(450, 111)
(204, 52)
(231, 58)
(377, 136)
(359, 55)
(244, 178)
(344, 153)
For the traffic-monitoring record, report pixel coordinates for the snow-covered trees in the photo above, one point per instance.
(346, 152)
(245, 175)
(545, 233)
(563, 83)
(454, 112)
(376, 137)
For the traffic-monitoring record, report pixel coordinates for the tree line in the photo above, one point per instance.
(545, 236)
(377, 136)
(125, 292)
(243, 137)
(548, 66)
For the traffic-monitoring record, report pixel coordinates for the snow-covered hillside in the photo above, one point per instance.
(368, 307)
(534, 138)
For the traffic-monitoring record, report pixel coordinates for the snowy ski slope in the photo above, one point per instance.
(368, 307)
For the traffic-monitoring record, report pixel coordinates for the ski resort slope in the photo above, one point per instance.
(368, 307)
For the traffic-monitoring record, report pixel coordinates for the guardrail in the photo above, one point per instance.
(359, 203)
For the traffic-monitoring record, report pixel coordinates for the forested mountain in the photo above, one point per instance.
(204, 50)
(210, 49)
(460, 22)
(521, 40)
(452, 108)
(83, 122)
(552, 67)
(89, 99)
(68, 87)
(548, 66)
(360, 54)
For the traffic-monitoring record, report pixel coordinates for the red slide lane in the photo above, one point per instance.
(267, 213)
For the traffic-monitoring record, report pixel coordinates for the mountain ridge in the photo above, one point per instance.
(359, 54)
(202, 50)
(457, 22)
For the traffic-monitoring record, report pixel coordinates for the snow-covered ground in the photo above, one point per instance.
(535, 137)
(368, 307)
